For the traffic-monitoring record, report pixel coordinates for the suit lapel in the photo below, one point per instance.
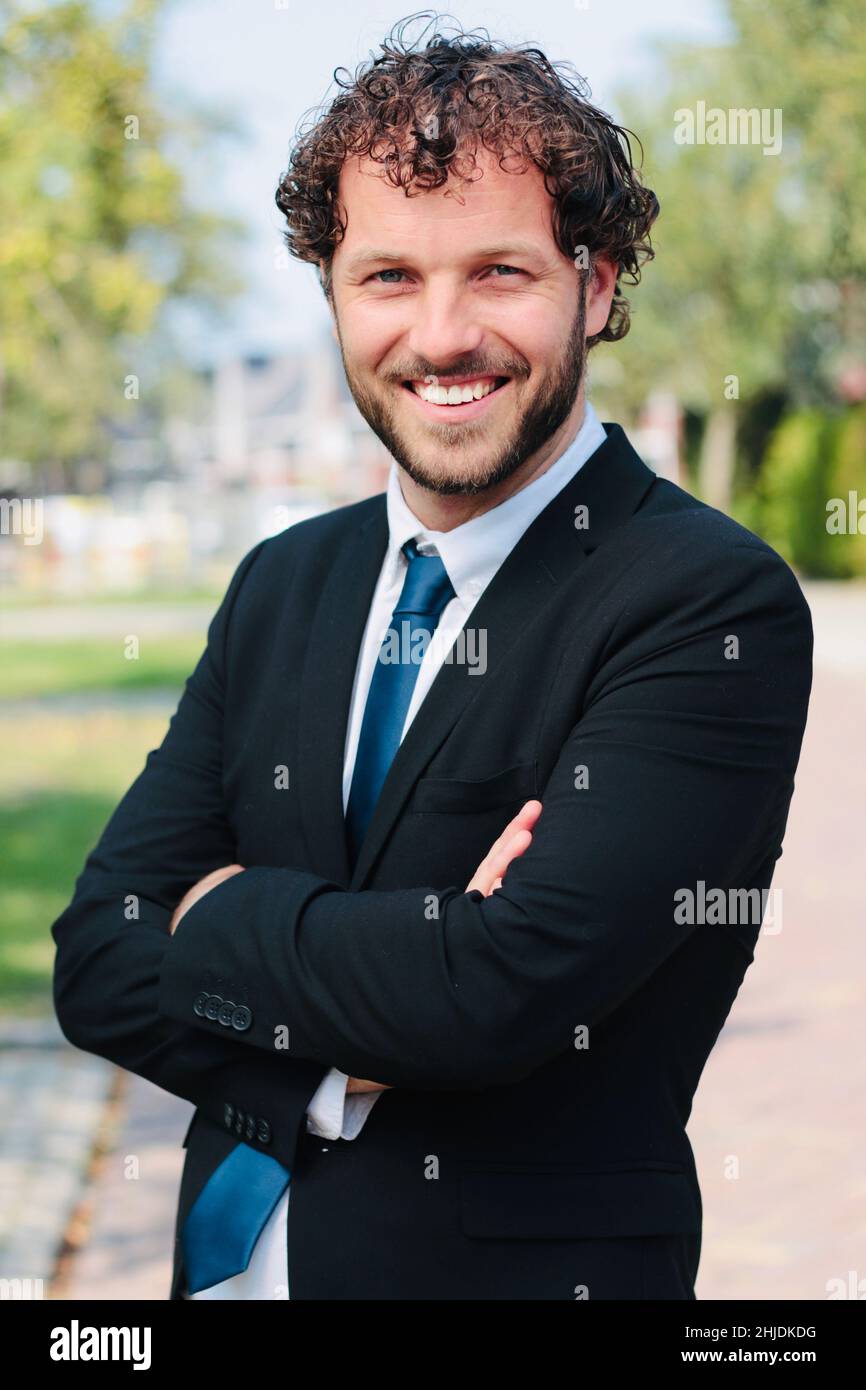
(607, 490)
(326, 691)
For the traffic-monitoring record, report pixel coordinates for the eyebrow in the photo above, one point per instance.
(515, 248)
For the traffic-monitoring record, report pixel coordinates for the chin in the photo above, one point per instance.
(452, 480)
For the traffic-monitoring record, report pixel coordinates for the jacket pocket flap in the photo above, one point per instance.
(547, 1204)
(461, 794)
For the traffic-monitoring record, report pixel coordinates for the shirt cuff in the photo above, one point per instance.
(331, 1114)
(325, 1110)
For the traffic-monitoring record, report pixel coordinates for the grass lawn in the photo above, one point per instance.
(61, 776)
(30, 669)
(61, 779)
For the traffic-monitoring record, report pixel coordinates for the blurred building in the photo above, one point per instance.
(265, 442)
(289, 421)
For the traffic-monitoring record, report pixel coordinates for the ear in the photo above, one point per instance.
(599, 289)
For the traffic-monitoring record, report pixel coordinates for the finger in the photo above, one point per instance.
(494, 865)
(514, 847)
(220, 875)
(524, 820)
(527, 815)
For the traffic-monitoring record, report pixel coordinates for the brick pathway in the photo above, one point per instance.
(130, 1211)
(52, 1099)
(784, 1091)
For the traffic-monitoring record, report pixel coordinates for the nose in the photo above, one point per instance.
(446, 325)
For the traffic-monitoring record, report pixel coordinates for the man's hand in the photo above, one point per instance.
(514, 840)
(199, 889)
(355, 1085)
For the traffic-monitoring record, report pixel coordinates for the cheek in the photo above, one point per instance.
(537, 331)
(369, 334)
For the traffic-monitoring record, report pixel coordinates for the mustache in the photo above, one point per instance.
(421, 371)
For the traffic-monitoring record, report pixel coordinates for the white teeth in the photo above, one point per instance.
(453, 395)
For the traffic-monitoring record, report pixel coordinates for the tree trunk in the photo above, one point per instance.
(718, 454)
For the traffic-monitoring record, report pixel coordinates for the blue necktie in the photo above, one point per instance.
(228, 1216)
(232, 1209)
(426, 592)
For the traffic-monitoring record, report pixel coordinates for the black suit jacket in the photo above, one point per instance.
(648, 673)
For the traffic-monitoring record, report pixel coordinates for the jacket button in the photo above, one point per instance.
(241, 1018)
(200, 1002)
(212, 1006)
(226, 1010)
(263, 1132)
(228, 1115)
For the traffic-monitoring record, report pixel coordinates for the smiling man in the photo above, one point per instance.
(406, 931)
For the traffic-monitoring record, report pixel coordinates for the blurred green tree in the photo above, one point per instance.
(97, 231)
(758, 291)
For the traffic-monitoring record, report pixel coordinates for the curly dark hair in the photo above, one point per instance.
(420, 110)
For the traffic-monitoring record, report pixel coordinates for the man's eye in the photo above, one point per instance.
(377, 273)
(509, 270)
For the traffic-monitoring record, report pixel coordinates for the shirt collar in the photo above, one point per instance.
(474, 551)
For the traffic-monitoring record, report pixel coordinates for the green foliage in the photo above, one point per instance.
(812, 459)
(792, 490)
(760, 269)
(96, 232)
(847, 482)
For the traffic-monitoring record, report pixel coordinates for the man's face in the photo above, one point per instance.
(468, 295)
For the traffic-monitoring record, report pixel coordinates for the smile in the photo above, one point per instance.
(462, 398)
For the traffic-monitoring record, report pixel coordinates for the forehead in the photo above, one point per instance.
(497, 204)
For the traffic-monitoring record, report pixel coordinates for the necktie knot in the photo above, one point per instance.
(426, 588)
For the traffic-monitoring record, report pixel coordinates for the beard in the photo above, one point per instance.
(540, 418)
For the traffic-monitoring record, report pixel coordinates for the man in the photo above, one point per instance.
(398, 905)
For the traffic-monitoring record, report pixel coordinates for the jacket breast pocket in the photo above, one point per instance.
(450, 795)
(564, 1202)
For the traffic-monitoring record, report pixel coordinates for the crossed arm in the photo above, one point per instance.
(515, 838)
(170, 831)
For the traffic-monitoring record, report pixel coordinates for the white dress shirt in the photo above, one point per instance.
(471, 554)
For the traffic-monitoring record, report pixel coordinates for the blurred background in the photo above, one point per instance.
(170, 393)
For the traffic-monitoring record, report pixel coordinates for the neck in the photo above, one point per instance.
(443, 513)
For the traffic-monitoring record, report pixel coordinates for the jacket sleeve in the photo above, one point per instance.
(168, 831)
(678, 772)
